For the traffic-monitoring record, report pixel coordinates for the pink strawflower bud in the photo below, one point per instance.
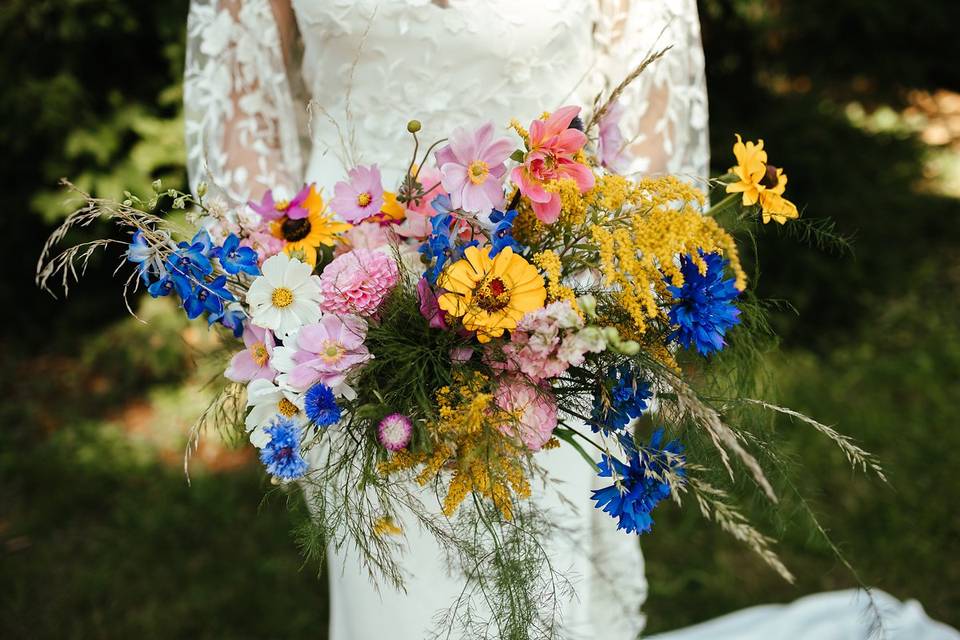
(395, 431)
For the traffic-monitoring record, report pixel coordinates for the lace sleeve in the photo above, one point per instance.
(663, 113)
(243, 132)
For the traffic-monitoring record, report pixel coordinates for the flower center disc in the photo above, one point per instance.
(332, 351)
(364, 199)
(295, 230)
(478, 171)
(493, 295)
(287, 409)
(259, 354)
(282, 297)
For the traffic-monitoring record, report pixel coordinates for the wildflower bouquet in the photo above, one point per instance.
(512, 294)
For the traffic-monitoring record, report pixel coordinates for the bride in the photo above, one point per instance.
(254, 66)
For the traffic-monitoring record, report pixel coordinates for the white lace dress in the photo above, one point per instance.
(254, 65)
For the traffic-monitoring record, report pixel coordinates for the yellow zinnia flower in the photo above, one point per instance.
(304, 235)
(751, 168)
(491, 294)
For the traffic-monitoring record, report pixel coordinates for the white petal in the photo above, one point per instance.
(282, 359)
(274, 268)
(296, 274)
(259, 437)
(268, 317)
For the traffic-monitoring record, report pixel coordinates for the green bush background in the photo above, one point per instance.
(100, 536)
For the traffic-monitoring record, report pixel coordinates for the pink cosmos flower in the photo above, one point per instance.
(361, 196)
(472, 168)
(552, 146)
(325, 352)
(536, 408)
(270, 209)
(611, 143)
(253, 363)
(358, 282)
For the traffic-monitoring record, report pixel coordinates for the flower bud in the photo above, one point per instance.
(612, 334)
(588, 304)
(413, 126)
(157, 185)
(202, 189)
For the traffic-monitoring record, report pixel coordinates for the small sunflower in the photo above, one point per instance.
(760, 182)
(491, 295)
(772, 203)
(302, 236)
(751, 169)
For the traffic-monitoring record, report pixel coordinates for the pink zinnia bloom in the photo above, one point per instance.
(361, 196)
(326, 352)
(270, 209)
(472, 168)
(537, 411)
(611, 143)
(358, 282)
(253, 363)
(552, 146)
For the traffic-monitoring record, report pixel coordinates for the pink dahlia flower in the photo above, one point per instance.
(270, 209)
(395, 431)
(253, 363)
(535, 407)
(358, 282)
(361, 196)
(325, 351)
(472, 168)
(552, 146)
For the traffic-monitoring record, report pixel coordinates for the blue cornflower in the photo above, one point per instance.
(281, 455)
(502, 236)
(703, 309)
(193, 258)
(627, 400)
(234, 258)
(320, 405)
(207, 296)
(231, 317)
(642, 480)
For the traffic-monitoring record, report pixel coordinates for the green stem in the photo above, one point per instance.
(723, 205)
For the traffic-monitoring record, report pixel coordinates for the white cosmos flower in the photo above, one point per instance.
(268, 400)
(286, 296)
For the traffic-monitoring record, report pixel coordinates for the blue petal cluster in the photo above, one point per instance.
(502, 236)
(621, 399)
(281, 456)
(320, 405)
(189, 272)
(236, 259)
(642, 491)
(703, 309)
(441, 246)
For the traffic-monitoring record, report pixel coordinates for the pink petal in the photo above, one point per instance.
(453, 177)
(302, 377)
(464, 146)
(497, 152)
(581, 174)
(548, 212)
(242, 367)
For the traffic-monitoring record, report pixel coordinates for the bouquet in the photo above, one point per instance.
(512, 294)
